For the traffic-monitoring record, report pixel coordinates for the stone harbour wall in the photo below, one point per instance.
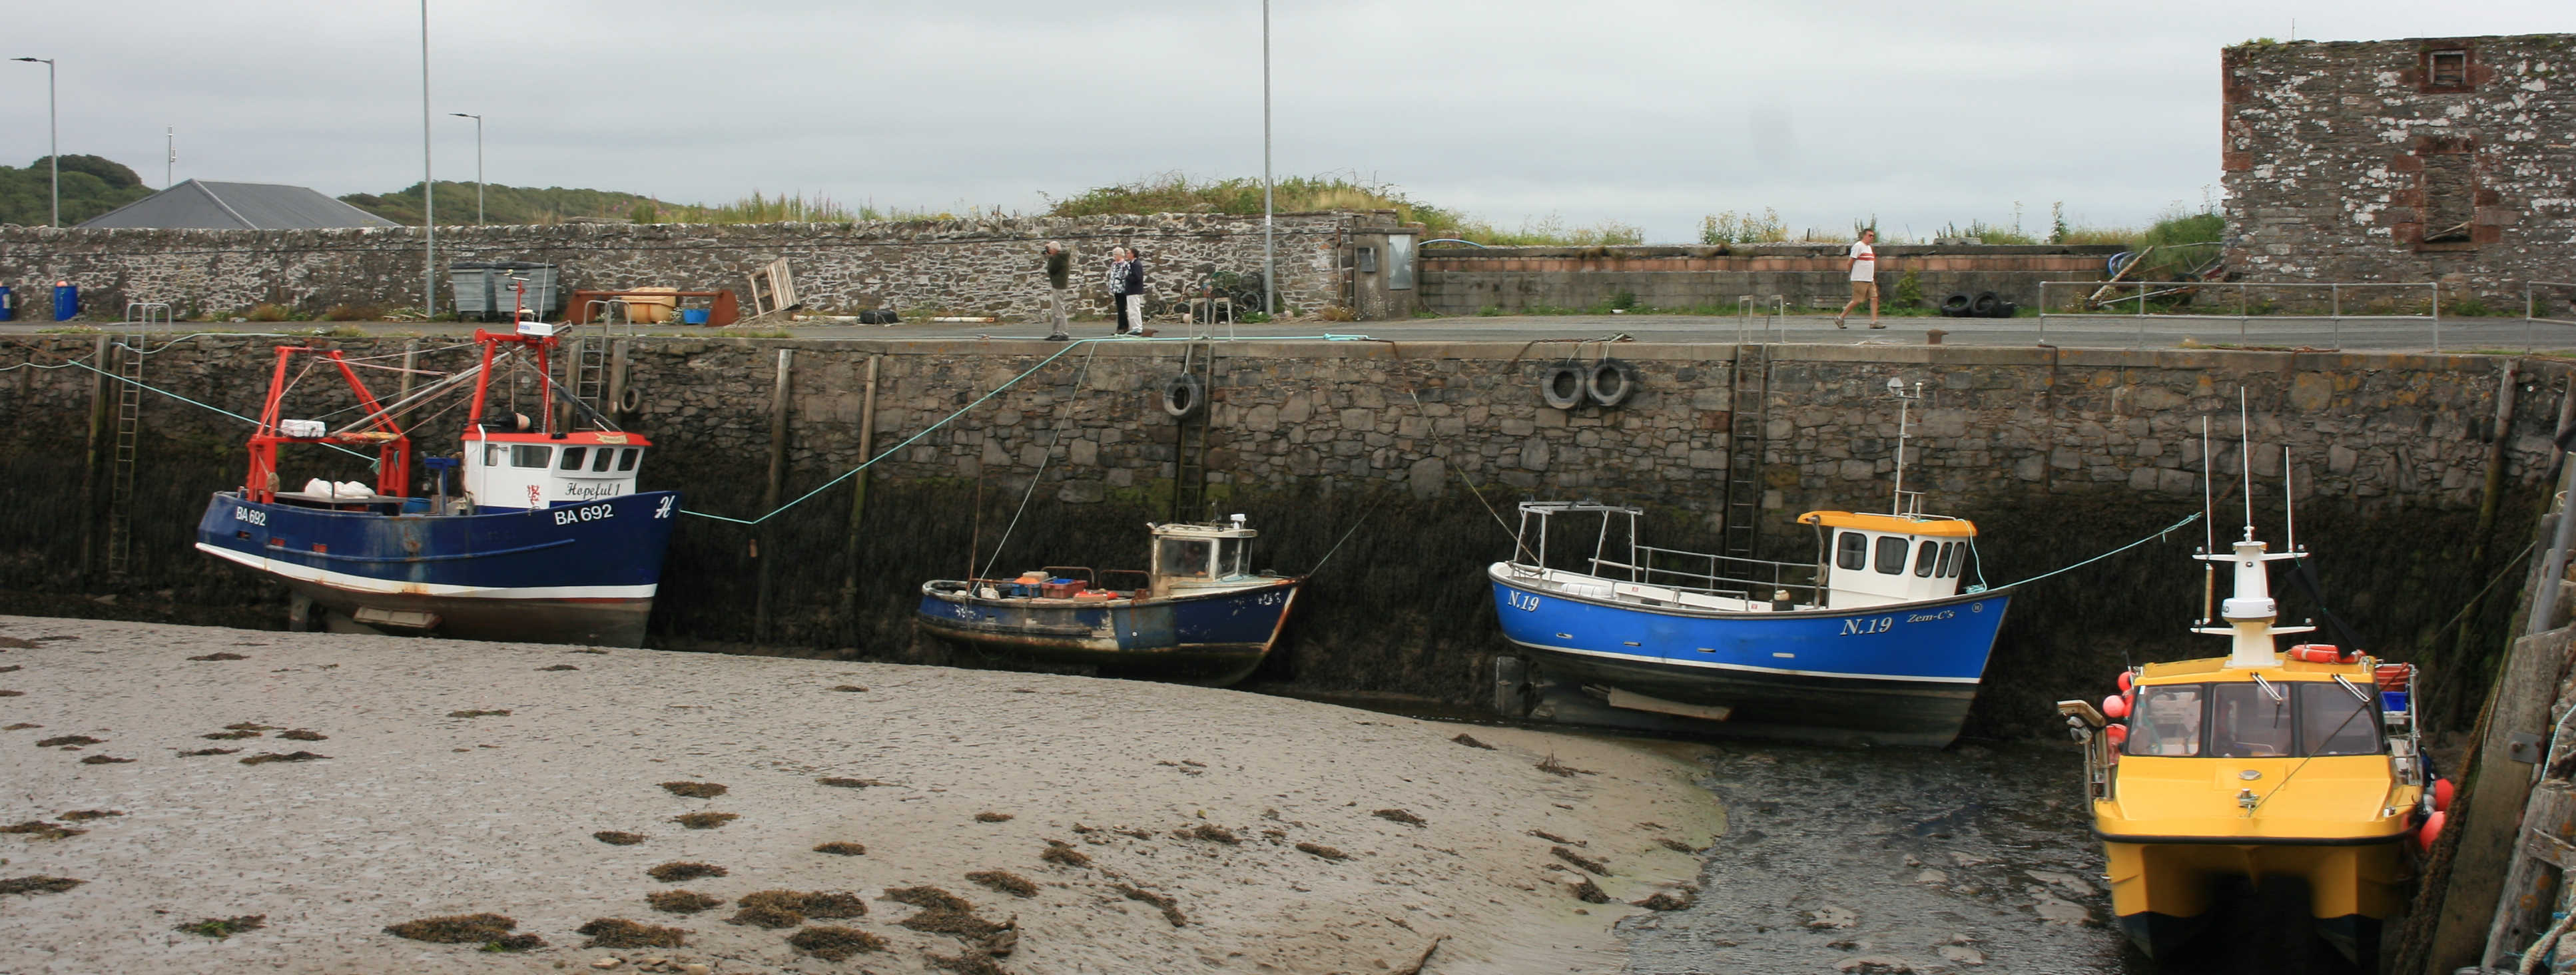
(2433, 159)
(967, 267)
(1382, 469)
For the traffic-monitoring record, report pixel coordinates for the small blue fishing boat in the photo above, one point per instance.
(1199, 615)
(1873, 642)
(548, 541)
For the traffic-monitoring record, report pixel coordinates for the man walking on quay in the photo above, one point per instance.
(1864, 278)
(1059, 272)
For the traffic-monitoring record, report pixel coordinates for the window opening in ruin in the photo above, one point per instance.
(2449, 69)
(2450, 197)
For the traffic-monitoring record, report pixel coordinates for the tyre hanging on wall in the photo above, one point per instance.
(1564, 385)
(1610, 382)
(1955, 306)
(1984, 305)
(1184, 396)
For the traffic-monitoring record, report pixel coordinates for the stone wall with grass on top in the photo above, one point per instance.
(2418, 160)
(962, 267)
(1515, 280)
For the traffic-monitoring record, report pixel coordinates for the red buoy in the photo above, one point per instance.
(2117, 735)
(2442, 790)
(2115, 708)
(2431, 830)
(2128, 680)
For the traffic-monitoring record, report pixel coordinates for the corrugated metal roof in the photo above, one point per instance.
(201, 205)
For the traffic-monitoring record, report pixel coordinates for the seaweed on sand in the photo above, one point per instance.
(456, 928)
(220, 928)
(613, 932)
(842, 848)
(694, 790)
(705, 820)
(681, 901)
(1005, 881)
(618, 837)
(1170, 907)
(295, 756)
(834, 943)
(679, 870)
(37, 885)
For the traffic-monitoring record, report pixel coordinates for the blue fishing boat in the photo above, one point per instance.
(1199, 615)
(1876, 641)
(545, 539)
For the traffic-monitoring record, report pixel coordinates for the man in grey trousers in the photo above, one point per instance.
(1059, 272)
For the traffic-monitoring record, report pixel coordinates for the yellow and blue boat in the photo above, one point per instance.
(2263, 766)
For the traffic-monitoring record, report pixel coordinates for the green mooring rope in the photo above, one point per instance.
(2160, 534)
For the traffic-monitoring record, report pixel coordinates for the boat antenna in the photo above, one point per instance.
(2289, 510)
(2209, 531)
(2245, 457)
(1904, 403)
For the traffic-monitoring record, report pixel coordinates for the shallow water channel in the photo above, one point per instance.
(1976, 858)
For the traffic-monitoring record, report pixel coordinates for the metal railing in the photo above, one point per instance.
(1724, 575)
(1772, 314)
(2107, 295)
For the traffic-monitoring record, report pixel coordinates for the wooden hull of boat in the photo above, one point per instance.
(1211, 638)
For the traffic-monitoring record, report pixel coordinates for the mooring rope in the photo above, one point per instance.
(2157, 536)
(209, 406)
(979, 401)
(1036, 478)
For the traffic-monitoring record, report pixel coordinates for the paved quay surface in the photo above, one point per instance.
(1278, 835)
(2100, 331)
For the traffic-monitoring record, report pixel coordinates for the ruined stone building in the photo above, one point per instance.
(2449, 159)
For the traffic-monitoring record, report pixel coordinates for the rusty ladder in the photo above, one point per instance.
(1748, 420)
(139, 318)
(1190, 442)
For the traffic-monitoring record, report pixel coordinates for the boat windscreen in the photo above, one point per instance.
(1232, 554)
(2250, 723)
(1181, 557)
(2333, 722)
(2167, 720)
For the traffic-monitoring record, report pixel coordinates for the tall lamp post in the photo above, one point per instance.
(428, 186)
(53, 137)
(478, 163)
(1269, 269)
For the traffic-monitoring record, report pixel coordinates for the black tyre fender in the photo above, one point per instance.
(1984, 305)
(2006, 309)
(1184, 396)
(1563, 385)
(1955, 306)
(1610, 382)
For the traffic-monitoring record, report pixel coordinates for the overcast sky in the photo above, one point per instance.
(1651, 113)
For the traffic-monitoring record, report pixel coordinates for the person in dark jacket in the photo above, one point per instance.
(1059, 272)
(1132, 301)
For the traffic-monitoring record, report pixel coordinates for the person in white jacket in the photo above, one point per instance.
(1864, 278)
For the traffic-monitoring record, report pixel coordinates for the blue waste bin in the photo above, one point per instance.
(66, 301)
(8, 304)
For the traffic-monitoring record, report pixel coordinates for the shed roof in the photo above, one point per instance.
(202, 205)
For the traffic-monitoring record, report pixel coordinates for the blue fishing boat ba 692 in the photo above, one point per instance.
(1200, 614)
(548, 540)
(1873, 642)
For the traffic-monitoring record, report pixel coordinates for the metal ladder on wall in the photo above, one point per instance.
(1190, 443)
(137, 329)
(1748, 420)
(590, 372)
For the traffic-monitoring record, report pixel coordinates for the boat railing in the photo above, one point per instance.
(1088, 577)
(1718, 575)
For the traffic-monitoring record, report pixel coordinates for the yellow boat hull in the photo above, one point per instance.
(2163, 892)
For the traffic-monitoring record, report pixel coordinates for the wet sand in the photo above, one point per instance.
(419, 812)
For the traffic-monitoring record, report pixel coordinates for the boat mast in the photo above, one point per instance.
(1904, 405)
(2249, 610)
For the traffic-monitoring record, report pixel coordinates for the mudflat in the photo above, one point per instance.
(827, 816)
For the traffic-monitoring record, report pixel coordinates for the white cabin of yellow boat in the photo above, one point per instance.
(1881, 559)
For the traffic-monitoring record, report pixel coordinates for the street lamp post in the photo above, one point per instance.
(1269, 266)
(478, 163)
(428, 185)
(53, 137)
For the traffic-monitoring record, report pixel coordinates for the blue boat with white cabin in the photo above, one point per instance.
(1875, 642)
(1198, 615)
(546, 538)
